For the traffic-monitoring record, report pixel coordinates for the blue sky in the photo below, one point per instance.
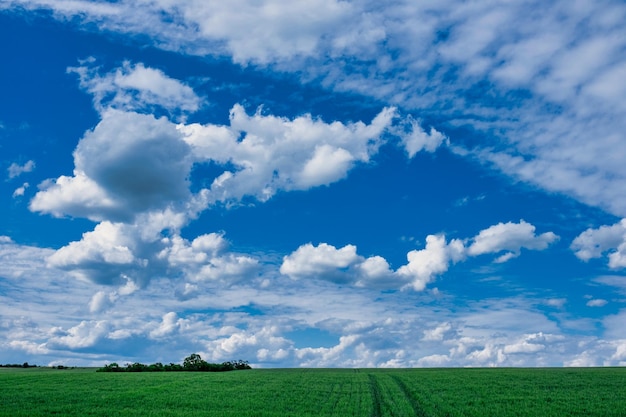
(318, 184)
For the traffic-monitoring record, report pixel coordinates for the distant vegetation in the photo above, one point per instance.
(17, 365)
(192, 363)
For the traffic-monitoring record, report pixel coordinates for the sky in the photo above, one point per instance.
(313, 184)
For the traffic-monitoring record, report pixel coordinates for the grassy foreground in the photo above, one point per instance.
(316, 392)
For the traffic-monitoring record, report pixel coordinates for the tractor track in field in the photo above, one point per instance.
(417, 408)
(376, 396)
(378, 400)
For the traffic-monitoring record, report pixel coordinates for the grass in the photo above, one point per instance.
(316, 392)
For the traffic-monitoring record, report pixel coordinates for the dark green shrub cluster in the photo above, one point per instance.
(192, 363)
(17, 365)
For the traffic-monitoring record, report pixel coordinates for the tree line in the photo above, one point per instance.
(193, 363)
(17, 365)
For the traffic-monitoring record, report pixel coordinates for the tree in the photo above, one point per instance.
(193, 362)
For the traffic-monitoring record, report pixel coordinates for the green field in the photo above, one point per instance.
(316, 392)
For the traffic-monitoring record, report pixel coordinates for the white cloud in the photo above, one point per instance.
(132, 175)
(368, 333)
(15, 169)
(135, 88)
(19, 192)
(17, 261)
(523, 346)
(555, 302)
(253, 343)
(326, 165)
(344, 265)
(170, 324)
(594, 243)
(417, 139)
(100, 302)
(250, 31)
(130, 163)
(374, 270)
(5, 240)
(503, 70)
(434, 259)
(426, 56)
(102, 256)
(439, 333)
(323, 261)
(597, 302)
(276, 153)
(85, 334)
(509, 237)
(206, 259)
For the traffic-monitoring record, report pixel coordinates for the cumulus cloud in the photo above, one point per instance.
(322, 261)
(595, 243)
(276, 153)
(344, 265)
(100, 302)
(123, 254)
(206, 259)
(434, 259)
(509, 237)
(132, 163)
(102, 256)
(132, 176)
(168, 326)
(265, 343)
(128, 164)
(85, 334)
(15, 169)
(439, 333)
(135, 88)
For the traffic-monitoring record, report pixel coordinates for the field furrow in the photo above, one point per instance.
(376, 396)
(418, 411)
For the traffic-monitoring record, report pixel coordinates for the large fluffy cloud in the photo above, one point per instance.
(130, 163)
